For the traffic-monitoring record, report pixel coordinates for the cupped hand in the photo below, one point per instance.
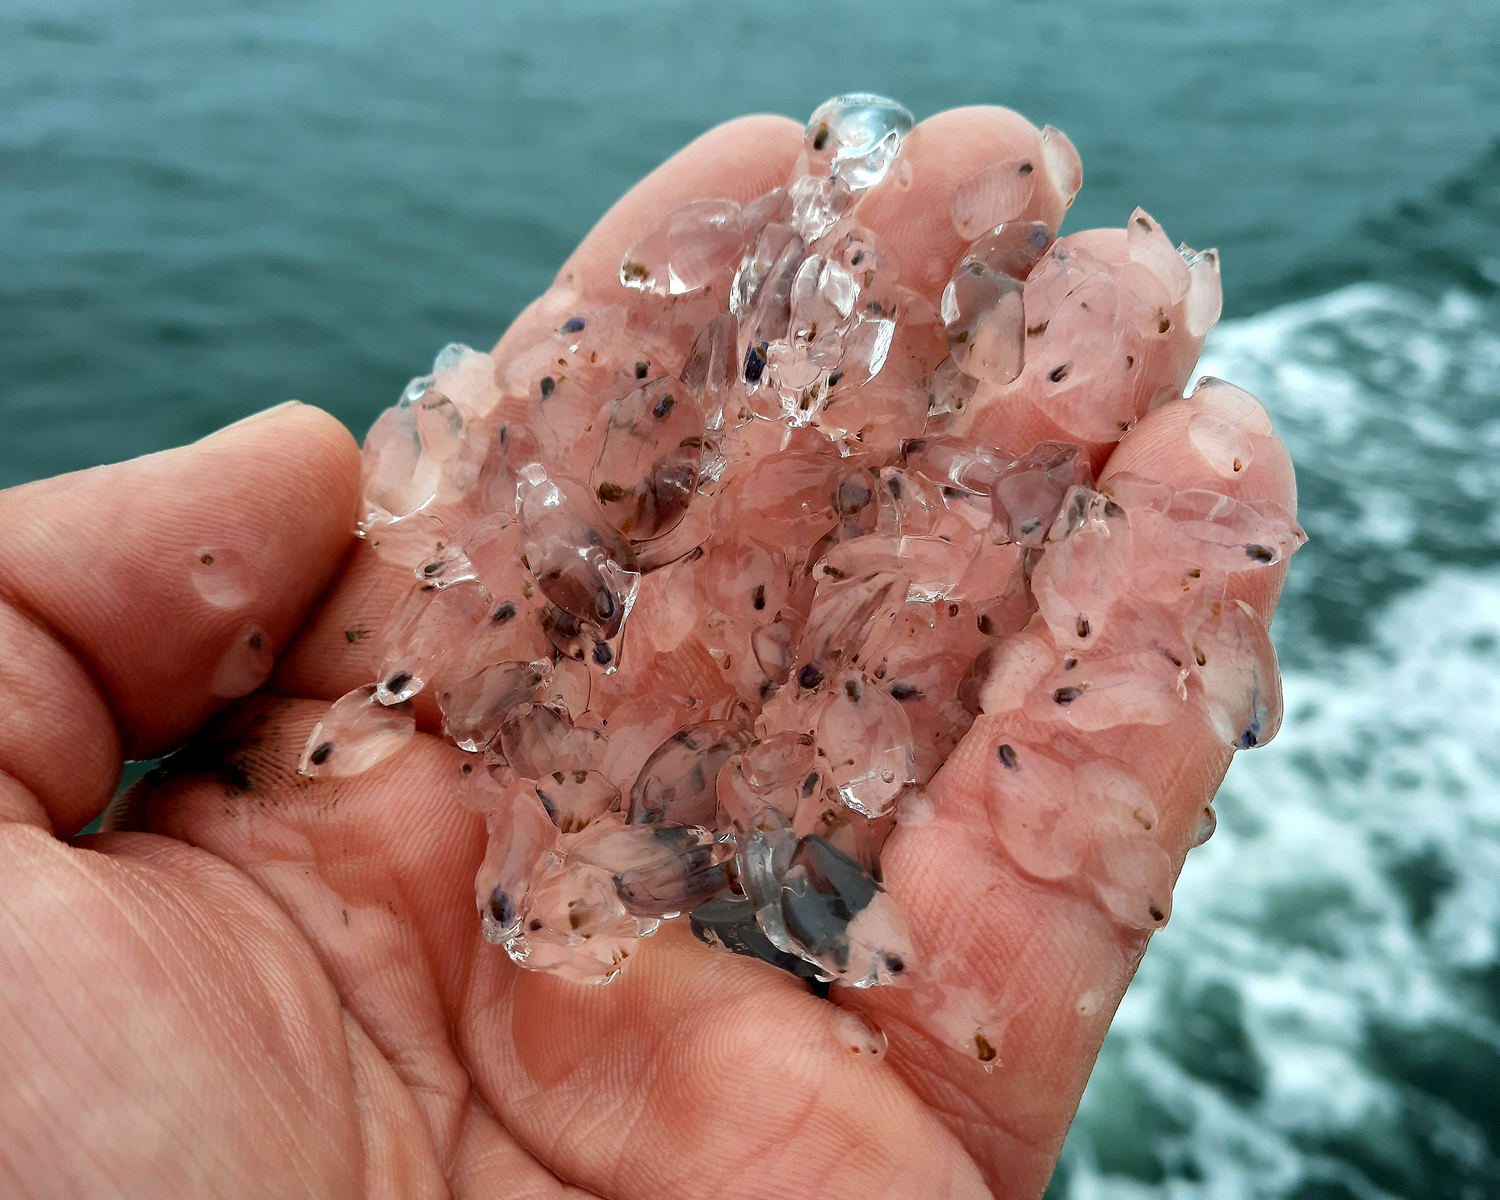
(264, 984)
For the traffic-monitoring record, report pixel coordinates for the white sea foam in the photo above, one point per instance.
(1355, 874)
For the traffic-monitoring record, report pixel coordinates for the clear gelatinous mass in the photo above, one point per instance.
(712, 575)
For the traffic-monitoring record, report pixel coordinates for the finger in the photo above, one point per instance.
(1026, 973)
(738, 161)
(135, 599)
(398, 1156)
(1217, 440)
(701, 1074)
(940, 196)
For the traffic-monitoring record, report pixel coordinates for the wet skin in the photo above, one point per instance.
(262, 985)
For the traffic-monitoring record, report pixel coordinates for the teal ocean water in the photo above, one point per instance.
(208, 209)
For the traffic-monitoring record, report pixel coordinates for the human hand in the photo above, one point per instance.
(268, 984)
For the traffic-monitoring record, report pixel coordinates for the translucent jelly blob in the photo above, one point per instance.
(865, 742)
(245, 665)
(856, 137)
(711, 572)
(676, 783)
(660, 870)
(521, 832)
(859, 1035)
(221, 576)
(990, 197)
(1064, 167)
(356, 733)
(648, 463)
(687, 250)
(474, 709)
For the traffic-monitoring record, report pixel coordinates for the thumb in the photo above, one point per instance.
(137, 599)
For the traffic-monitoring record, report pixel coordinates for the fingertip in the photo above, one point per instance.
(328, 451)
(142, 596)
(1219, 438)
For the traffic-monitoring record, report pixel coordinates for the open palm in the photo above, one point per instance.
(262, 984)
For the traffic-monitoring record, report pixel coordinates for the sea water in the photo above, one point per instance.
(208, 209)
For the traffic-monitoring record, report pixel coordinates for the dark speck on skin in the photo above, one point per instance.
(603, 655)
(1007, 755)
(320, 754)
(809, 676)
(641, 369)
(398, 681)
(573, 325)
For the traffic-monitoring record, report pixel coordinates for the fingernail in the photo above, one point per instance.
(254, 417)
